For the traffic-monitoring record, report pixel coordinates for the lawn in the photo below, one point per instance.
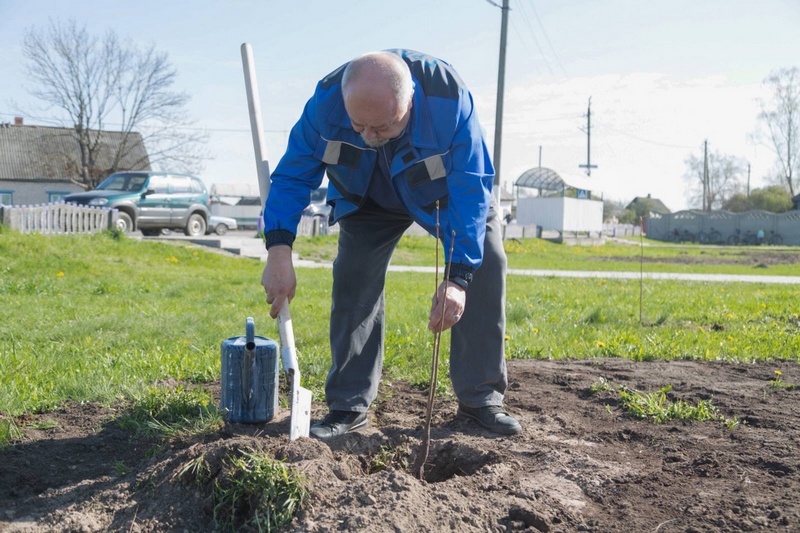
(99, 318)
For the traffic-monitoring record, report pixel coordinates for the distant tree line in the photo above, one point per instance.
(720, 181)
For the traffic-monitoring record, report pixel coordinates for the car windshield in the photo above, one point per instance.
(123, 182)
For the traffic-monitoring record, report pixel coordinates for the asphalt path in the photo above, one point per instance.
(246, 244)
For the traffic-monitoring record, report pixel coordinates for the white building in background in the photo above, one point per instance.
(559, 202)
(240, 201)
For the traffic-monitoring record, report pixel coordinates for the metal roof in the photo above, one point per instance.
(550, 180)
(45, 153)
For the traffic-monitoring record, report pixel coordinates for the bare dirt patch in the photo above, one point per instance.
(581, 463)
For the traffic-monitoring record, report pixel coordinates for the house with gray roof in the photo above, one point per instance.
(40, 164)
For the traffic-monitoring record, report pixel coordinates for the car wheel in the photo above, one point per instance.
(221, 229)
(124, 223)
(151, 232)
(196, 226)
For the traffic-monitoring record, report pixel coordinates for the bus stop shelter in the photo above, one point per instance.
(560, 202)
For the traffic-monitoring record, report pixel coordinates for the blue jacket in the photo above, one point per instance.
(447, 160)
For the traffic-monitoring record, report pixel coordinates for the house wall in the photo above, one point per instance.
(560, 214)
(35, 193)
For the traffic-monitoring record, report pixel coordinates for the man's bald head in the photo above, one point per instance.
(377, 90)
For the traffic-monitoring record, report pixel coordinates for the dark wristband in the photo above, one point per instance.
(461, 282)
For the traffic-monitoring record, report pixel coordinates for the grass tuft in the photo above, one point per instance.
(172, 413)
(658, 408)
(9, 431)
(257, 493)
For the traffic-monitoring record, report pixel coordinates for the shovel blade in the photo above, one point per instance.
(300, 414)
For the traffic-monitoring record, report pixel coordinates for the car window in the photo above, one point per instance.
(181, 184)
(197, 187)
(136, 182)
(159, 184)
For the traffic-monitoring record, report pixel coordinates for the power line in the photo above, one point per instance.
(550, 44)
(642, 139)
(532, 34)
(184, 128)
(525, 45)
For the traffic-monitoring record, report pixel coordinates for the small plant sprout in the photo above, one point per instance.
(387, 457)
(601, 385)
(777, 382)
(121, 468)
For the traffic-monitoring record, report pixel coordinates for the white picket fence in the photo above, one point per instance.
(58, 218)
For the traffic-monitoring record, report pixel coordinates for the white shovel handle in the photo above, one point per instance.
(288, 350)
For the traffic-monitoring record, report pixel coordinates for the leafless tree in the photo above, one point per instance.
(100, 84)
(725, 174)
(781, 116)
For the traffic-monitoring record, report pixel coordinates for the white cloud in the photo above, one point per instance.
(644, 126)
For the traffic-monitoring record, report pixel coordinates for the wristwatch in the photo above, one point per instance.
(458, 280)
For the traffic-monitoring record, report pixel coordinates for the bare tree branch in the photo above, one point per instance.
(725, 173)
(97, 82)
(781, 116)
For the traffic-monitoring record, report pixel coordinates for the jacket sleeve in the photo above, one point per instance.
(297, 174)
(470, 188)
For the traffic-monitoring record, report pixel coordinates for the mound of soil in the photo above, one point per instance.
(581, 464)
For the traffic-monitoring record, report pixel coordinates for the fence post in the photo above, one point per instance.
(113, 219)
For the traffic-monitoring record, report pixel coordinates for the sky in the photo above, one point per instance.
(663, 75)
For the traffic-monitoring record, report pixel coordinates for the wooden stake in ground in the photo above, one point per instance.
(422, 456)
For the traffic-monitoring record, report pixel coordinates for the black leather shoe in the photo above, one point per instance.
(338, 423)
(492, 417)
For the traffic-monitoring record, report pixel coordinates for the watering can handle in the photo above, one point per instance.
(250, 330)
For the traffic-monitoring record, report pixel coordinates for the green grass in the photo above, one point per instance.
(93, 318)
(173, 413)
(648, 255)
(658, 408)
(258, 493)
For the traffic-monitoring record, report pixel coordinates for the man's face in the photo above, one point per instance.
(378, 122)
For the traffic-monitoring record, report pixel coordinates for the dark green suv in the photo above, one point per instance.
(151, 201)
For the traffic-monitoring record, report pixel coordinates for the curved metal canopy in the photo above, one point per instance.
(540, 178)
(550, 180)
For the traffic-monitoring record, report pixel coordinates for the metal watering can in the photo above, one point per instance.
(249, 377)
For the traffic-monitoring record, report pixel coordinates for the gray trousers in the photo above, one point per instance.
(367, 240)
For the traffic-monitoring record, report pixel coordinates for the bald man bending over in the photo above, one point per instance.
(396, 131)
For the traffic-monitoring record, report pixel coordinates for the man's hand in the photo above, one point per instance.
(447, 307)
(278, 278)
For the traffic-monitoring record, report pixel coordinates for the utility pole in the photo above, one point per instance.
(498, 118)
(588, 166)
(706, 191)
(540, 156)
(748, 180)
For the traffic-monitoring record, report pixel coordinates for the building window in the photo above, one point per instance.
(6, 198)
(56, 196)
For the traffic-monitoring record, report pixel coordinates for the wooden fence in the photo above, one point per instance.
(58, 218)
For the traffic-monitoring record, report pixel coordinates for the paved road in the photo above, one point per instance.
(246, 244)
